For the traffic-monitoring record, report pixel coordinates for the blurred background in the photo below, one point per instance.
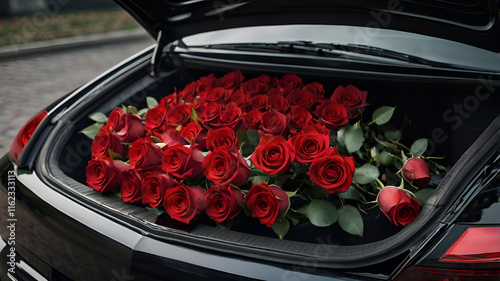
(50, 47)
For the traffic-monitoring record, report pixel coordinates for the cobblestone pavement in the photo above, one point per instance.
(27, 84)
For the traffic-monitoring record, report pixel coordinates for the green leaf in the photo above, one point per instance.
(115, 156)
(382, 115)
(92, 130)
(152, 102)
(385, 158)
(353, 138)
(350, 220)
(142, 112)
(300, 168)
(354, 194)
(242, 137)
(253, 137)
(281, 227)
(296, 217)
(366, 174)
(321, 213)
(394, 135)
(98, 117)
(194, 115)
(419, 147)
(132, 109)
(423, 195)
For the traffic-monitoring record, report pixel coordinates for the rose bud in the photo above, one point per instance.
(144, 153)
(353, 99)
(332, 171)
(225, 167)
(106, 140)
(309, 144)
(273, 122)
(416, 171)
(184, 203)
(298, 117)
(154, 185)
(115, 119)
(223, 203)
(267, 203)
(102, 174)
(182, 162)
(130, 185)
(222, 137)
(273, 155)
(132, 128)
(332, 115)
(397, 205)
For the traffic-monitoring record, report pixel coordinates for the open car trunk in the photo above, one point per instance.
(448, 107)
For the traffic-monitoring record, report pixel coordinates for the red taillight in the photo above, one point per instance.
(476, 245)
(25, 134)
(438, 274)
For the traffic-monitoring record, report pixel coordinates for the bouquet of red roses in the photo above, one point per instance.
(226, 147)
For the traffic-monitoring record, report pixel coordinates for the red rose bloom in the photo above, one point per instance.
(399, 207)
(182, 162)
(241, 100)
(273, 155)
(316, 89)
(155, 117)
(332, 171)
(172, 137)
(302, 98)
(178, 115)
(332, 115)
(258, 102)
(222, 137)
(102, 174)
(205, 84)
(115, 119)
(289, 82)
(188, 93)
(209, 113)
(132, 128)
(144, 153)
(190, 131)
(416, 171)
(219, 94)
(277, 102)
(230, 117)
(225, 167)
(223, 203)
(184, 203)
(106, 140)
(298, 117)
(253, 118)
(267, 203)
(351, 98)
(231, 80)
(273, 122)
(154, 185)
(309, 144)
(256, 86)
(130, 185)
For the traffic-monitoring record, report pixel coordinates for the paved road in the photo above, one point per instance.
(29, 83)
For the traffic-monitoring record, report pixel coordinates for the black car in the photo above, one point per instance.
(437, 61)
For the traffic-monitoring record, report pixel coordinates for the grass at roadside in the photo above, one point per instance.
(36, 27)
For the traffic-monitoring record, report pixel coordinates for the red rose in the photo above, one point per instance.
(242, 100)
(219, 94)
(332, 171)
(209, 113)
(172, 137)
(288, 83)
(273, 122)
(225, 167)
(188, 93)
(253, 118)
(273, 155)
(258, 102)
(267, 203)
(309, 144)
(144, 153)
(182, 162)
(115, 119)
(223, 203)
(222, 137)
(190, 131)
(298, 117)
(351, 98)
(416, 171)
(302, 98)
(316, 89)
(132, 128)
(277, 102)
(106, 140)
(154, 185)
(399, 207)
(155, 117)
(184, 203)
(102, 174)
(205, 84)
(178, 115)
(169, 100)
(130, 185)
(230, 117)
(256, 86)
(332, 115)
(231, 80)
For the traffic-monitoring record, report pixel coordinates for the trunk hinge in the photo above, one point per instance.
(155, 59)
